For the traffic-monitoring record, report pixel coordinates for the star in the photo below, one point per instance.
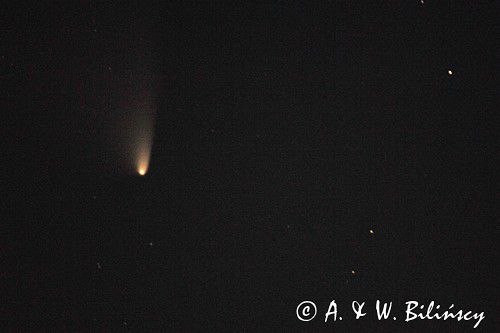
(371, 231)
(450, 72)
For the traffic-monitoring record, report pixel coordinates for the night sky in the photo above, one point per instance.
(297, 151)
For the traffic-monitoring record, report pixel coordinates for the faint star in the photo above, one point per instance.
(353, 272)
(99, 265)
(150, 243)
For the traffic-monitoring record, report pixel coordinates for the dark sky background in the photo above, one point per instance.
(284, 132)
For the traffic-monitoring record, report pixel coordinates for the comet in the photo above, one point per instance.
(140, 132)
(143, 161)
(143, 144)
